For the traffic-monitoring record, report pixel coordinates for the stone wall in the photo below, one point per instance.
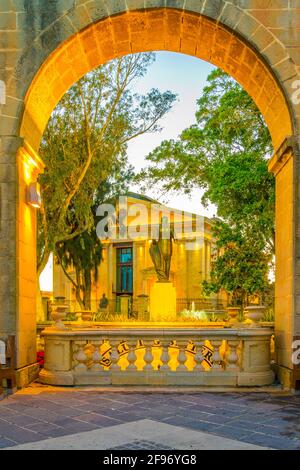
(31, 30)
(46, 45)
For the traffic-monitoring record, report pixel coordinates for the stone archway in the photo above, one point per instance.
(157, 29)
(81, 37)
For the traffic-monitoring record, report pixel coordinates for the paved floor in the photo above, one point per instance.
(138, 435)
(39, 413)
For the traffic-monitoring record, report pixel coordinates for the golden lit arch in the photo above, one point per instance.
(145, 30)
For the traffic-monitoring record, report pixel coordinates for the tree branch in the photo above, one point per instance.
(66, 272)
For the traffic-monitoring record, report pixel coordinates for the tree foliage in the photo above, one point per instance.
(225, 153)
(83, 253)
(84, 148)
(240, 266)
(85, 143)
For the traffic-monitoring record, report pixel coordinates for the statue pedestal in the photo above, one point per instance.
(163, 302)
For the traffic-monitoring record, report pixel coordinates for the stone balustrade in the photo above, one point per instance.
(158, 356)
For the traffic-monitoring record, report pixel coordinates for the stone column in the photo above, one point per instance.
(20, 165)
(143, 307)
(285, 166)
(111, 277)
(8, 237)
(124, 304)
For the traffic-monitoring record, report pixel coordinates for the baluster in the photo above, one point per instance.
(181, 358)
(165, 357)
(75, 351)
(232, 354)
(216, 344)
(240, 353)
(198, 358)
(80, 356)
(131, 358)
(97, 357)
(148, 358)
(114, 357)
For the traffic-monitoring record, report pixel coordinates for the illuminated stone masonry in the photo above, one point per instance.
(158, 356)
(47, 46)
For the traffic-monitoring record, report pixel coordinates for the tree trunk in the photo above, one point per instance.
(78, 290)
(243, 301)
(43, 262)
(87, 290)
(40, 313)
(79, 299)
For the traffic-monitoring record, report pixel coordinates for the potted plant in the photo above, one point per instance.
(233, 313)
(86, 315)
(58, 312)
(254, 314)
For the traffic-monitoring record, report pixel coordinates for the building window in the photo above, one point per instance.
(124, 270)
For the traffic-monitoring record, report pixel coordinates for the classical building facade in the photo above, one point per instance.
(127, 267)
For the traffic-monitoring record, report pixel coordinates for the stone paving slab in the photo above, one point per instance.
(40, 412)
(159, 436)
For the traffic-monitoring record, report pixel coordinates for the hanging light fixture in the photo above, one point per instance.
(33, 195)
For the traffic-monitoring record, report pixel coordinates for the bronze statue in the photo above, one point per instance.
(161, 251)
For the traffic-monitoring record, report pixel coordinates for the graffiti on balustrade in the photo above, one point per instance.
(206, 351)
(106, 353)
(123, 350)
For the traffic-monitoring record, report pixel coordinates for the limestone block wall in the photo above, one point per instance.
(31, 31)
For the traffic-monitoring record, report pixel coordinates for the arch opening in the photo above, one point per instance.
(141, 31)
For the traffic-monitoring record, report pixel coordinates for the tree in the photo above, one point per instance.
(225, 153)
(86, 140)
(240, 267)
(83, 253)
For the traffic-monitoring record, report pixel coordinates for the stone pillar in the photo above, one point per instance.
(20, 165)
(143, 307)
(203, 264)
(111, 277)
(8, 237)
(124, 304)
(163, 302)
(285, 166)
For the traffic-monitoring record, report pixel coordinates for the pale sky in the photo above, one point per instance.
(185, 76)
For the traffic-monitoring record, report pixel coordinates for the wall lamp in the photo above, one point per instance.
(33, 195)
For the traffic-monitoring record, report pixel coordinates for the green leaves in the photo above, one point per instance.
(225, 153)
(241, 263)
(85, 144)
(84, 148)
